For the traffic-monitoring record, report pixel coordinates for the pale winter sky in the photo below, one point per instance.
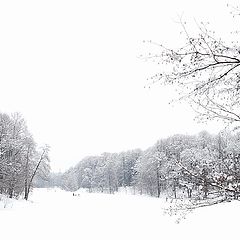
(72, 69)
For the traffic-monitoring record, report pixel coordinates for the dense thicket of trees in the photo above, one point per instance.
(205, 72)
(198, 166)
(102, 173)
(20, 158)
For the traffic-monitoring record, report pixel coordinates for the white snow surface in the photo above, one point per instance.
(56, 214)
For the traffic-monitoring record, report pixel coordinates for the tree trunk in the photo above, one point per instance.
(33, 175)
(10, 192)
(175, 187)
(158, 183)
(26, 191)
(189, 192)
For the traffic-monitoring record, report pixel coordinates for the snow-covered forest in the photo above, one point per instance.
(199, 167)
(182, 166)
(21, 161)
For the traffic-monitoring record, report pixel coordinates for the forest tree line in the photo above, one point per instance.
(182, 166)
(21, 161)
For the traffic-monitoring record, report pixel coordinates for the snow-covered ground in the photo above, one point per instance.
(56, 214)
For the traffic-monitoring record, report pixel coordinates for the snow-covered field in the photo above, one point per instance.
(56, 214)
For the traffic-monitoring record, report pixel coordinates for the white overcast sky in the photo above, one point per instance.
(71, 69)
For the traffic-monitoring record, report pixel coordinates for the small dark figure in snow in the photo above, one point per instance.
(76, 194)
